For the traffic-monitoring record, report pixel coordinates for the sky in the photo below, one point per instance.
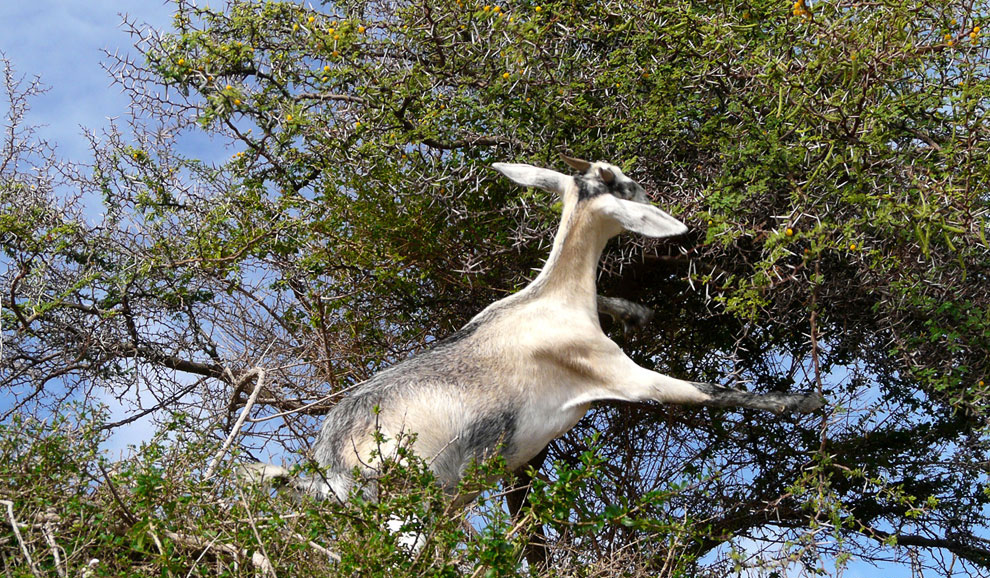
(62, 42)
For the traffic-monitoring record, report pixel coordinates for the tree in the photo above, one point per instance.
(830, 159)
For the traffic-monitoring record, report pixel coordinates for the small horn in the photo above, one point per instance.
(576, 164)
(606, 175)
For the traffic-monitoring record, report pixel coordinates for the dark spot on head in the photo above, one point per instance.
(589, 188)
(620, 187)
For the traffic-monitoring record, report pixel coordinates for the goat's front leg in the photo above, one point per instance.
(613, 375)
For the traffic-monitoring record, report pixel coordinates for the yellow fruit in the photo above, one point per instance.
(852, 246)
(237, 101)
(789, 232)
(538, 8)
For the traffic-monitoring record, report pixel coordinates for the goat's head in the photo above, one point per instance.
(601, 190)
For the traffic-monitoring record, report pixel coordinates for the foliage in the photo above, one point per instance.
(154, 514)
(830, 158)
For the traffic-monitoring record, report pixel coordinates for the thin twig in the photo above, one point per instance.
(240, 420)
(268, 568)
(46, 531)
(17, 534)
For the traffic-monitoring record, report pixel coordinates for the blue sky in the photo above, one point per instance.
(62, 42)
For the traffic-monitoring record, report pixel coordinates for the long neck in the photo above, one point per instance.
(571, 269)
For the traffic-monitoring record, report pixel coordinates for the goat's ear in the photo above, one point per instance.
(530, 176)
(641, 218)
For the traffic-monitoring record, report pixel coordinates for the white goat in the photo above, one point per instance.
(527, 368)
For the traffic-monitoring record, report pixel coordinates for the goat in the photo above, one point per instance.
(525, 369)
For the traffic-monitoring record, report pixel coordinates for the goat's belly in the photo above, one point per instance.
(536, 429)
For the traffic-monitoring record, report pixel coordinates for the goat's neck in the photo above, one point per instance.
(570, 271)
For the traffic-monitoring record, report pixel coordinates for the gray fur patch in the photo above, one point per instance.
(486, 434)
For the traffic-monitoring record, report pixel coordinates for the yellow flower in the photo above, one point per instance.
(950, 43)
(326, 68)
(976, 29)
(538, 8)
(288, 117)
(360, 29)
(229, 87)
(237, 101)
(331, 30)
(357, 124)
(181, 61)
(311, 19)
(506, 75)
(295, 27)
(852, 246)
(497, 9)
(789, 232)
(486, 8)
